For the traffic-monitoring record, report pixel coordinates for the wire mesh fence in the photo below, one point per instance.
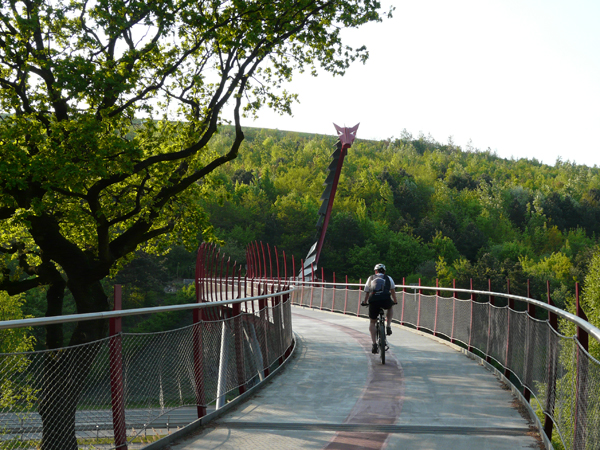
(61, 399)
(556, 371)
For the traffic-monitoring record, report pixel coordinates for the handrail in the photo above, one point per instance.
(226, 350)
(39, 321)
(555, 369)
(586, 326)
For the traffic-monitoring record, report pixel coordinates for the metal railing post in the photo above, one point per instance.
(116, 375)
(437, 296)
(333, 294)
(453, 311)
(552, 359)
(239, 345)
(359, 296)
(197, 335)
(277, 320)
(346, 296)
(403, 299)
(581, 401)
(303, 281)
(322, 288)
(270, 263)
(491, 303)
(469, 346)
(312, 284)
(528, 347)
(264, 321)
(223, 363)
(198, 350)
(419, 307)
(511, 305)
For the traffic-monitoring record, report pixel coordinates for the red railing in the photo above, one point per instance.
(555, 372)
(132, 384)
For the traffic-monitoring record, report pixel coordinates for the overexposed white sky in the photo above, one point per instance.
(521, 77)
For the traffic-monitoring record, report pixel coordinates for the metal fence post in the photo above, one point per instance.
(303, 281)
(581, 401)
(359, 300)
(198, 350)
(312, 284)
(419, 307)
(469, 346)
(264, 322)
(270, 263)
(552, 359)
(333, 294)
(491, 303)
(277, 319)
(322, 287)
(528, 347)
(116, 375)
(453, 311)
(197, 335)
(403, 299)
(223, 364)
(346, 295)
(239, 345)
(437, 296)
(511, 304)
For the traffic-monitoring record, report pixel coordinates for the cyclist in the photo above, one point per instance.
(379, 292)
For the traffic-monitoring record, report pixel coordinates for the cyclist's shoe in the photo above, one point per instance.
(374, 349)
(388, 330)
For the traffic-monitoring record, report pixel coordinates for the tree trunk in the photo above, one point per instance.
(54, 299)
(60, 389)
(65, 371)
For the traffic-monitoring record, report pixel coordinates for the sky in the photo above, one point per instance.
(518, 77)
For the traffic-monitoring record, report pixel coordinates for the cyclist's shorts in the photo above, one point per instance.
(375, 304)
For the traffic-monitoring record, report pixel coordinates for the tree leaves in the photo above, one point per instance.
(108, 111)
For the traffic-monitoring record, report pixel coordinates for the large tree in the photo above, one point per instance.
(107, 110)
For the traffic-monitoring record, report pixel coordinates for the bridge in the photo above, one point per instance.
(275, 361)
(335, 394)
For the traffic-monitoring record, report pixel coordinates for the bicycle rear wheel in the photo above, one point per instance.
(382, 341)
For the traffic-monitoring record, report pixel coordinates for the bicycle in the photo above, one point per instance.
(380, 333)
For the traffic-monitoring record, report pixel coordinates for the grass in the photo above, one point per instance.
(556, 441)
(86, 443)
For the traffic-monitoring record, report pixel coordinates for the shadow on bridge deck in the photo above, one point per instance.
(335, 394)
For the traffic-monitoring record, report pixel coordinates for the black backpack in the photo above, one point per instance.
(382, 288)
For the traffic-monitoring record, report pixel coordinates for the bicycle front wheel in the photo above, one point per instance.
(382, 342)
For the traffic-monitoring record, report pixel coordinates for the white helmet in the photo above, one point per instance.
(379, 267)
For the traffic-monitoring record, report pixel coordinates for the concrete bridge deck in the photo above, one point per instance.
(335, 394)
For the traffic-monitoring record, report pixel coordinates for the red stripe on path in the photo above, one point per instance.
(358, 441)
(380, 402)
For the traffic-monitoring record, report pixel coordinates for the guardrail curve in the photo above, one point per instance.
(555, 372)
(127, 388)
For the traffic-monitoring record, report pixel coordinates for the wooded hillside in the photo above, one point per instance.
(423, 208)
(426, 210)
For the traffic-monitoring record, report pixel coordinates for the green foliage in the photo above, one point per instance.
(444, 248)
(168, 320)
(425, 209)
(13, 392)
(590, 300)
(14, 340)
(110, 128)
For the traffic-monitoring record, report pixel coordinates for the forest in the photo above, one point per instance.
(426, 210)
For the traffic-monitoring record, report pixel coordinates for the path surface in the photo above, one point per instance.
(335, 394)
